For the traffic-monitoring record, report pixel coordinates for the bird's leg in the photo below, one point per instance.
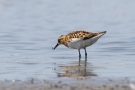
(79, 56)
(79, 53)
(85, 54)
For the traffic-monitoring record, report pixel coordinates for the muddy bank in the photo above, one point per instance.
(34, 84)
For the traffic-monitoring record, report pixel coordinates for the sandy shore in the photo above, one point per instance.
(93, 84)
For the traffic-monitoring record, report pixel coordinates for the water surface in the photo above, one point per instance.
(30, 28)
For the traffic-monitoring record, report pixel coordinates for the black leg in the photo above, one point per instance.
(85, 64)
(85, 53)
(79, 56)
(79, 53)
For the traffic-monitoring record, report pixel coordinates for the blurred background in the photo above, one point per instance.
(30, 28)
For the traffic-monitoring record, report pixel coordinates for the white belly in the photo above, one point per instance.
(79, 44)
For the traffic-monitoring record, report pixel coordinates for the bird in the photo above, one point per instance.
(79, 40)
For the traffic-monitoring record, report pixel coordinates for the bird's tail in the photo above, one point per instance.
(104, 32)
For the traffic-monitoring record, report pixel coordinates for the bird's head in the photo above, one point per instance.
(60, 41)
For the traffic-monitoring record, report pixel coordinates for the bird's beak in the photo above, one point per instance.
(56, 46)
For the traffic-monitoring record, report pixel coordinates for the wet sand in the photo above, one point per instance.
(93, 84)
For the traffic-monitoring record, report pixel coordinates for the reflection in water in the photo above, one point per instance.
(82, 69)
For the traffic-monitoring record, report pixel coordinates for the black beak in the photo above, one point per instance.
(56, 46)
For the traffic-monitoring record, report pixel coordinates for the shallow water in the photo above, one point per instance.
(29, 29)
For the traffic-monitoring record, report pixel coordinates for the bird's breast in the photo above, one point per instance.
(78, 44)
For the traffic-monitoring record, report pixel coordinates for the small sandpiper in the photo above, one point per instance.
(79, 40)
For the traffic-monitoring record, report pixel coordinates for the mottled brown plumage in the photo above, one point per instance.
(79, 40)
(81, 34)
(64, 39)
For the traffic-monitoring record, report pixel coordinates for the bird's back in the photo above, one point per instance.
(82, 39)
(81, 34)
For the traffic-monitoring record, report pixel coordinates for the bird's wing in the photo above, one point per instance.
(91, 35)
(85, 37)
(75, 39)
(81, 35)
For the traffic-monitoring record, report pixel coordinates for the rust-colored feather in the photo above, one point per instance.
(65, 39)
(81, 34)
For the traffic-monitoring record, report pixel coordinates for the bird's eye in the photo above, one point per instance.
(61, 35)
(58, 40)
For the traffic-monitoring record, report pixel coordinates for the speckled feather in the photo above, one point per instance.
(77, 34)
(81, 34)
(79, 40)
